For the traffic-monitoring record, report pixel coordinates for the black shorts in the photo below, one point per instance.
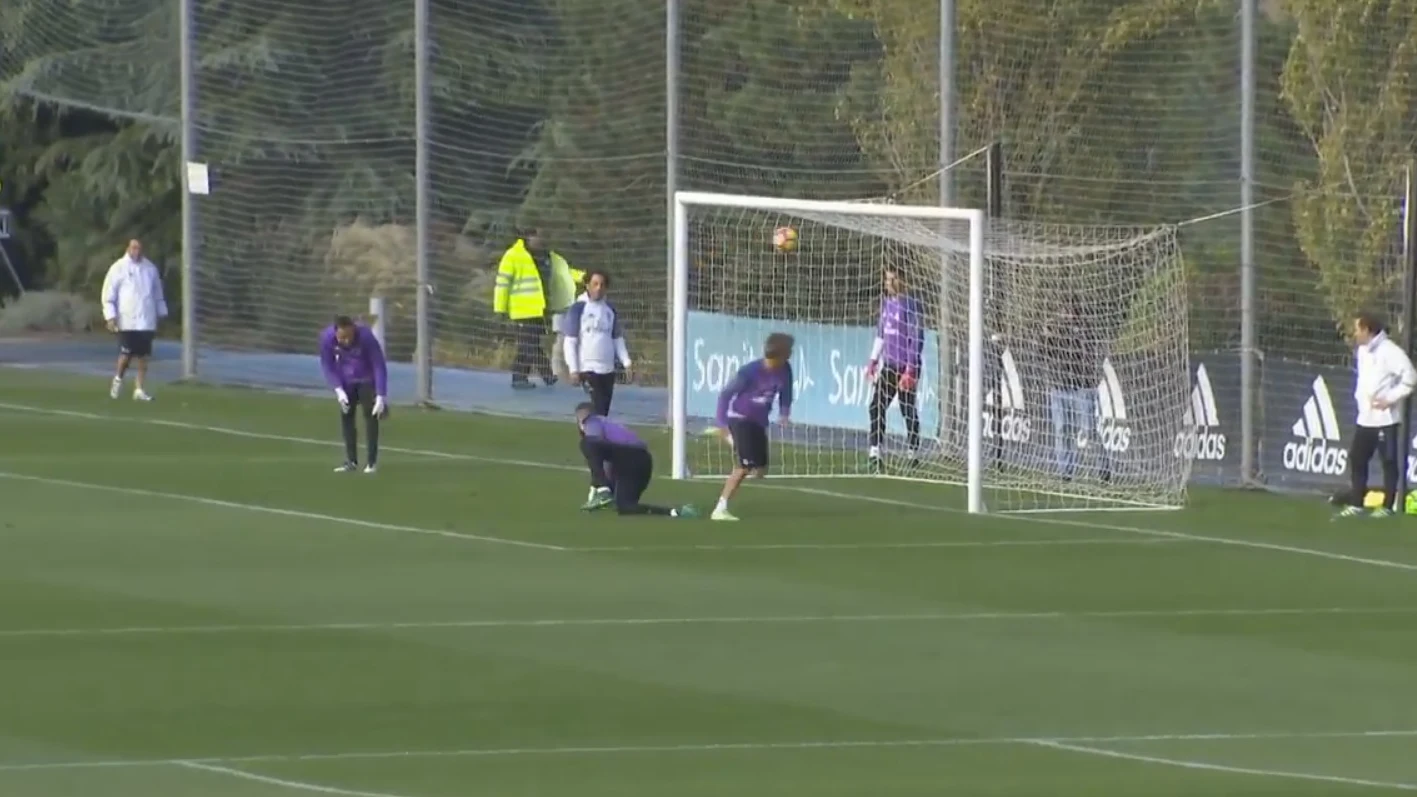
(750, 443)
(600, 388)
(135, 343)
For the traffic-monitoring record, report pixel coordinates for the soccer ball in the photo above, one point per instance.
(784, 239)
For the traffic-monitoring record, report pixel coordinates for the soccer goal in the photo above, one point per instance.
(1054, 363)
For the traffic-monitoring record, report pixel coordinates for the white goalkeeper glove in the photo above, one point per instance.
(343, 399)
(379, 406)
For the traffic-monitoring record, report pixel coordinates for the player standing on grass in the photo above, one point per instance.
(132, 305)
(1385, 378)
(354, 367)
(595, 342)
(745, 408)
(895, 367)
(621, 461)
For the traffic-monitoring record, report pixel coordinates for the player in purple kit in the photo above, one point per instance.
(895, 367)
(745, 408)
(354, 367)
(620, 460)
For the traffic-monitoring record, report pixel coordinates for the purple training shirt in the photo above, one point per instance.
(900, 330)
(749, 396)
(359, 363)
(600, 429)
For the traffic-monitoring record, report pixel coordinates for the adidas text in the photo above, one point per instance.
(1316, 456)
(1011, 427)
(1200, 445)
(1116, 437)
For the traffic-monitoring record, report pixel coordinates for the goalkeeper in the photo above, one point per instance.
(354, 367)
(895, 367)
(620, 463)
(744, 408)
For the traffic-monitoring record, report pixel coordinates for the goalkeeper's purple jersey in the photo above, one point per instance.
(599, 429)
(359, 363)
(749, 396)
(901, 332)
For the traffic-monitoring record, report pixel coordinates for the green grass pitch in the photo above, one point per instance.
(191, 603)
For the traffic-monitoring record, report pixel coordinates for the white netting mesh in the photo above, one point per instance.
(1087, 363)
(553, 113)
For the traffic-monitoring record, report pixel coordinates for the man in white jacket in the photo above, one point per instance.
(132, 305)
(1385, 378)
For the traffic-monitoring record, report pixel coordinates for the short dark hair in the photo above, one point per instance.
(343, 322)
(1372, 322)
(586, 406)
(604, 277)
(778, 345)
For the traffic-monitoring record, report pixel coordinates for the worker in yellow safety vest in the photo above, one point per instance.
(534, 286)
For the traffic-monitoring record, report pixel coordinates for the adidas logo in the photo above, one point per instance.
(1012, 424)
(1318, 427)
(1200, 440)
(1112, 427)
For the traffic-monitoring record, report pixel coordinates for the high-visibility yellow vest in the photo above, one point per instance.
(519, 293)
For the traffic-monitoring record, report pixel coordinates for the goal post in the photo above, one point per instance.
(1015, 424)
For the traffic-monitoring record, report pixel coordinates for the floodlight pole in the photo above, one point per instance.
(423, 206)
(1249, 347)
(671, 170)
(187, 47)
(1409, 320)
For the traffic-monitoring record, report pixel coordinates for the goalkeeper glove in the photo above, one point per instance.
(381, 408)
(907, 380)
(343, 399)
(871, 369)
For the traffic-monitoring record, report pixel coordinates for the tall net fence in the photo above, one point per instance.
(553, 114)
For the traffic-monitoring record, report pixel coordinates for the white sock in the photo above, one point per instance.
(875, 452)
(674, 513)
(913, 454)
(722, 505)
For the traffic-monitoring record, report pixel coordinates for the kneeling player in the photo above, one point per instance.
(620, 464)
(744, 409)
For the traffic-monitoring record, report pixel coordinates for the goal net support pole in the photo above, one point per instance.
(685, 201)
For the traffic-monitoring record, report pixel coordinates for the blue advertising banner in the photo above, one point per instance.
(829, 369)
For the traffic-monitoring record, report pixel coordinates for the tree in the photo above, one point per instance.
(305, 115)
(1063, 83)
(759, 88)
(1348, 82)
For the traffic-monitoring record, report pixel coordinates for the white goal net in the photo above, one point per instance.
(1082, 390)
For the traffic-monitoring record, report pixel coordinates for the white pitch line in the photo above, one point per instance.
(935, 617)
(869, 546)
(522, 463)
(294, 785)
(1201, 765)
(270, 510)
(1175, 535)
(709, 747)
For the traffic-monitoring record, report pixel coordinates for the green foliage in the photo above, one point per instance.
(1112, 112)
(1349, 85)
(50, 311)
